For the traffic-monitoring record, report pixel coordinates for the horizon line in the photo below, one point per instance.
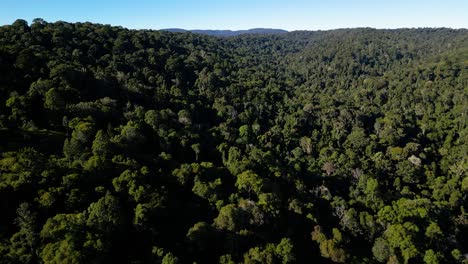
(231, 29)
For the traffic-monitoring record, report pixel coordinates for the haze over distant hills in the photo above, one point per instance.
(228, 33)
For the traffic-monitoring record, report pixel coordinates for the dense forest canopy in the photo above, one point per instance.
(142, 146)
(228, 33)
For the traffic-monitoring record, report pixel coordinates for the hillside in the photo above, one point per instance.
(143, 146)
(228, 33)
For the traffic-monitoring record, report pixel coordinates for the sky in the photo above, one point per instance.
(244, 14)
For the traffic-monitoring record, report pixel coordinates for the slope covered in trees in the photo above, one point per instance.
(138, 146)
(228, 33)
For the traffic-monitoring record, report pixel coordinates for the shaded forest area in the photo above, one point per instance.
(141, 146)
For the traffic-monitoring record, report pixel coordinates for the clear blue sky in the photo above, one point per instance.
(244, 14)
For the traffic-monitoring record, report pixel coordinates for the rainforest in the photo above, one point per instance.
(147, 146)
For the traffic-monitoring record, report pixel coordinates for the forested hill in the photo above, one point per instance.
(228, 33)
(141, 146)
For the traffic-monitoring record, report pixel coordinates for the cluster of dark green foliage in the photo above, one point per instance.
(228, 33)
(140, 146)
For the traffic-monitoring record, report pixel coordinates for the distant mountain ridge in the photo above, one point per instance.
(228, 33)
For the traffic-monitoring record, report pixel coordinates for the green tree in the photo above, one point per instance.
(250, 182)
(54, 100)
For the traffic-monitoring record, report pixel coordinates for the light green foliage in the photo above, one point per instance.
(433, 231)
(208, 191)
(465, 184)
(64, 234)
(236, 162)
(249, 182)
(306, 144)
(244, 216)
(226, 259)
(169, 258)
(101, 145)
(104, 214)
(457, 255)
(20, 169)
(64, 251)
(330, 248)
(152, 119)
(183, 174)
(17, 104)
(244, 133)
(270, 203)
(401, 236)
(53, 100)
(381, 250)
(283, 252)
(357, 140)
(285, 249)
(132, 183)
(78, 145)
(229, 218)
(130, 135)
(404, 209)
(431, 257)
